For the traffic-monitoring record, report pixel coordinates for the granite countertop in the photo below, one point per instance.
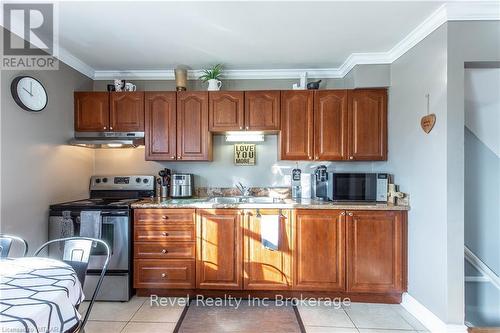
(284, 204)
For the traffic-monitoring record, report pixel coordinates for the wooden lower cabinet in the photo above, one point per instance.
(264, 268)
(164, 249)
(319, 250)
(219, 261)
(359, 253)
(376, 251)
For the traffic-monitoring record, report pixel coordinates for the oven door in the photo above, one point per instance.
(354, 187)
(115, 232)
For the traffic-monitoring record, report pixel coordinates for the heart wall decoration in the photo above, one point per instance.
(427, 122)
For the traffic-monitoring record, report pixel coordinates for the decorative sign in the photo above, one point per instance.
(244, 154)
(427, 122)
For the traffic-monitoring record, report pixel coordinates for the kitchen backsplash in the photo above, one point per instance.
(221, 172)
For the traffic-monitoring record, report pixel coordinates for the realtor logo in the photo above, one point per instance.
(28, 36)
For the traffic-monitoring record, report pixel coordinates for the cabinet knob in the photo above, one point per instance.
(173, 157)
(241, 127)
(164, 251)
(165, 234)
(351, 157)
(110, 127)
(163, 275)
(317, 157)
(105, 127)
(179, 157)
(350, 214)
(164, 217)
(247, 127)
(343, 213)
(310, 157)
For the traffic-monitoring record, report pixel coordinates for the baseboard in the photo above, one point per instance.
(429, 319)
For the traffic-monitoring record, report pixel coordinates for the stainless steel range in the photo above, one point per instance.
(112, 197)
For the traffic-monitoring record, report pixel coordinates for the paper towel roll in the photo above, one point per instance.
(306, 184)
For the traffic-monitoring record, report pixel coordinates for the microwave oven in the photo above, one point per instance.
(363, 187)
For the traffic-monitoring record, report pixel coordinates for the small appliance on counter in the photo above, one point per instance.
(182, 185)
(363, 187)
(296, 185)
(322, 188)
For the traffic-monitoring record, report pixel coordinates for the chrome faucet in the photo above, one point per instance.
(244, 190)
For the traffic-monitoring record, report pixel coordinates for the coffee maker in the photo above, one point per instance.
(323, 184)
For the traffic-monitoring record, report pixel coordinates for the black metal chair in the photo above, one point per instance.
(76, 253)
(6, 242)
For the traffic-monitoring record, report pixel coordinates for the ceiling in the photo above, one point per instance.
(120, 36)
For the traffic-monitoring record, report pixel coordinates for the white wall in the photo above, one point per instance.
(37, 168)
(419, 161)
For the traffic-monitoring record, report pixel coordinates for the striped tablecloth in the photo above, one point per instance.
(38, 295)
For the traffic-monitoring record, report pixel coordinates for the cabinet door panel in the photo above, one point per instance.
(226, 111)
(330, 125)
(126, 111)
(376, 256)
(296, 137)
(368, 124)
(160, 127)
(91, 111)
(194, 141)
(319, 250)
(219, 260)
(262, 110)
(267, 269)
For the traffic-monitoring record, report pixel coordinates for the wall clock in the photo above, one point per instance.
(29, 93)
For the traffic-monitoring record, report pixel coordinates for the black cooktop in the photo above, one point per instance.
(108, 203)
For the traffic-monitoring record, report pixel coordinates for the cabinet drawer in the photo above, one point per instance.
(163, 216)
(181, 232)
(167, 273)
(164, 250)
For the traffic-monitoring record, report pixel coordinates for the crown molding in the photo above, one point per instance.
(452, 11)
(72, 61)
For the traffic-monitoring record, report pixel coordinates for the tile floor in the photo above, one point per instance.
(138, 316)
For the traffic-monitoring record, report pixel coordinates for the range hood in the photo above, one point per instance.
(108, 139)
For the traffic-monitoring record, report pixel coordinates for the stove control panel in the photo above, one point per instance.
(131, 183)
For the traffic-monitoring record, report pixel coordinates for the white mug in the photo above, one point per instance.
(214, 85)
(130, 87)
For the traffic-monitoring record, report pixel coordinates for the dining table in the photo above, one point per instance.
(38, 295)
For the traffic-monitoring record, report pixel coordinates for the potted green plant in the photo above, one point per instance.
(212, 76)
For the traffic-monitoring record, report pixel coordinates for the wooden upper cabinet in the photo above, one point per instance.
(226, 111)
(319, 257)
(262, 110)
(91, 111)
(330, 125)
(126, 111)
(219, 241)
(367, 124)
(264, 268)
(194, 141)
(160, 126)
(376, 255)
(296, 137)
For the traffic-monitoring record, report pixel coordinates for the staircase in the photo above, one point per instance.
(482, 295)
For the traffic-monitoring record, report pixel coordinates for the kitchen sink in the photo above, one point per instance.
(225, 200)
(236, 200)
